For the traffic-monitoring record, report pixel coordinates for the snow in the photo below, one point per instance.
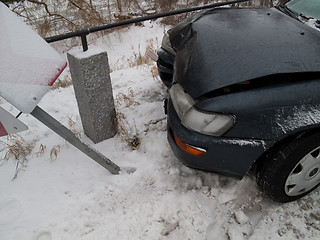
(240, 217)
(72, 197)
(36, 64)
(312, 23)
(300, 117)
(253, 143)
(79, 53)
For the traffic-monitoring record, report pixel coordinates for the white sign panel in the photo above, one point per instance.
(28, 64)
(9, 124)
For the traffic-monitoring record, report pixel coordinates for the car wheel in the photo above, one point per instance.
(291, 170)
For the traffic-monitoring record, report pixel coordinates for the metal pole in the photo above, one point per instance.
(84, 42)
(135, 20)
(65, 133)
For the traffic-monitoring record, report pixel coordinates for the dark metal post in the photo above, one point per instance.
(84, 42)
(64, 132)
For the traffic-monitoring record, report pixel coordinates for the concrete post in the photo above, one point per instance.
(93, 90)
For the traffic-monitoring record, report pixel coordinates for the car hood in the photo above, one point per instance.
(222, 47)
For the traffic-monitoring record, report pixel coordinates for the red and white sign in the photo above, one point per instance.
(28, 64)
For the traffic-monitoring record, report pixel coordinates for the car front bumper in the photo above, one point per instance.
(228, 156)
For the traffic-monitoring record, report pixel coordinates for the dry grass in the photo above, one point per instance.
(154, 72)
(126, 99)
(66, 82)
(42, 149)
(151, 46)
(17, 148)
(72, 127)
(127, 133)
(139, 60)
(54, 153)
(145, 60)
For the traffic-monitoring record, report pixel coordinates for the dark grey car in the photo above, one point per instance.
(244, 88)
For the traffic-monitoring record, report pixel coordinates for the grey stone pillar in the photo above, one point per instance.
(93, 90)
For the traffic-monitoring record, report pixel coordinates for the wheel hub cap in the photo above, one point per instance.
(305, 175)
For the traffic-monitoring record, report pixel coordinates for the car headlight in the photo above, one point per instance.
(166, 44)
(209, 123)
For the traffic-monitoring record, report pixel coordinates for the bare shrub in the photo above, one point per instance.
(127, 133)
(61, 16)
(119, 5)
(165, 5)
(76, 14)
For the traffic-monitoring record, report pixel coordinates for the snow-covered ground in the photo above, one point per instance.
(62, 194)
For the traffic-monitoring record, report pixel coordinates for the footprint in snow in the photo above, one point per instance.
(44, 236)
(10, 210)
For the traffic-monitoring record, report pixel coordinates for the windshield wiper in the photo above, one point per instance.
(288, 11)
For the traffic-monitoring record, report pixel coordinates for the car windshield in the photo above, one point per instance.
(308, 8)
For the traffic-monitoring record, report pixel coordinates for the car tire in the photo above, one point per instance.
(292, 169)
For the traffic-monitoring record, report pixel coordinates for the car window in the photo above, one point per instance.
(309, 8)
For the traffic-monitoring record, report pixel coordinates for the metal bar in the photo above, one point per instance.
(135, 20)
(65, 133)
